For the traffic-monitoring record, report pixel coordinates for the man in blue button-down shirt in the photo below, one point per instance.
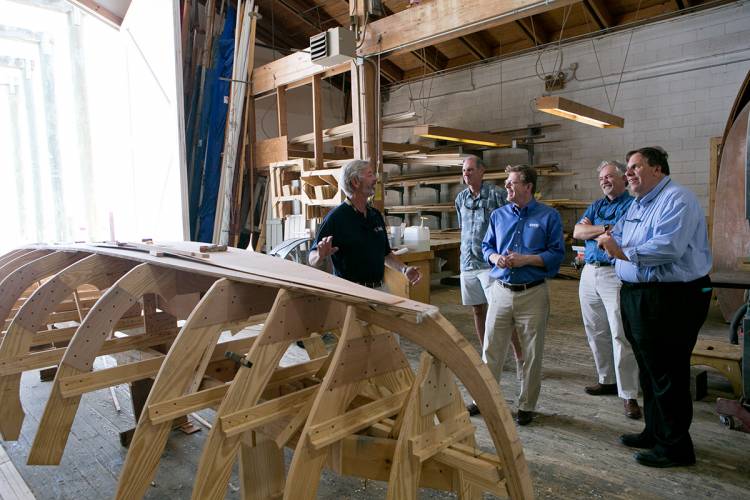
(524, 243)
(599, 293)
(663, 260)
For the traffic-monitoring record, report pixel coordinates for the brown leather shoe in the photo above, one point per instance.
(632, 410)
(601, 389)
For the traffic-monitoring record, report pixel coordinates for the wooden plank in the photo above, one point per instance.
(183, 370)
(329, 134)
(12, 485)
(317, 98)
(440, 338)
(431, 23)
(480, 467)
(270, 151)
(368, 357)
(97, 270)
(100, 379)
(466, 136)
(281, 111)
(261, 414)
(405, 473)
(287, 322)
(429, 443)
(304, 472)
(335, 429)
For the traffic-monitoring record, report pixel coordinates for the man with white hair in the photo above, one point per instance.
(354, 235)
(599, 293)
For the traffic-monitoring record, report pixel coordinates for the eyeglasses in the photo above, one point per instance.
(510, 183)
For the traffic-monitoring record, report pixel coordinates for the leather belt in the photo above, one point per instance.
(599, 264)
(520, 287)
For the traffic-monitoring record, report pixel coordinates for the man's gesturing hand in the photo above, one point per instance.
(326, 248)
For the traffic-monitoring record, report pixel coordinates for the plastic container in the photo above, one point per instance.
(417, 238)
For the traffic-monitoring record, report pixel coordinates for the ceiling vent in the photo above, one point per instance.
(335, 46)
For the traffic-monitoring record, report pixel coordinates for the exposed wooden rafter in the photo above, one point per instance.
(432, 58)
(599, 13)
(441, 21)
(477, 46)
(534, 33)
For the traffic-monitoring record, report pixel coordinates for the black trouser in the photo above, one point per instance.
(661, 323)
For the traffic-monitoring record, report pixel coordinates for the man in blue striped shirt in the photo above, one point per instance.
(524, 243)
(663, 259)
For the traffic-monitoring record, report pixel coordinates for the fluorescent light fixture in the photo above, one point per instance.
(466, 136)
(571, 110)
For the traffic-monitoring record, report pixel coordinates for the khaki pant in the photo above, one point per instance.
(527, 311)
(599, 293)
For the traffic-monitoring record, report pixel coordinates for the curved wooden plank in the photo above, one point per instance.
(7, 257)
(292, 317)
(441, 339)
(14, 342)
(54, 427)
(17, 262)
(731, 234)
(225, 302)
(16, 282)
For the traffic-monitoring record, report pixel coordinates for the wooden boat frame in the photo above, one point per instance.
(356, 407)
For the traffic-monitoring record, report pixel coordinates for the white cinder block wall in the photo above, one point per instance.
(680, 79)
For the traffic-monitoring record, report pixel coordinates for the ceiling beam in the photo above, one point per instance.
(441, 20)
(274, 37)
(391, 71)
(599, 13)
(476, 45)
(534, 33)
(431, 57)
(297, 14)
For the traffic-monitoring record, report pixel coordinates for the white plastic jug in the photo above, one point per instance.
(417, 238)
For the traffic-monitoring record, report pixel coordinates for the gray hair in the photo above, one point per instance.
(352, 170)
(478, 160)
(619, 167)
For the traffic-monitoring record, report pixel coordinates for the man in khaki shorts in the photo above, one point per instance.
(473, 207)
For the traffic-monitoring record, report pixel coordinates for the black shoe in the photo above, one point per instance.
(653, 459)
(473, 409)
(601, 389)
(524, 417)
(637, 441)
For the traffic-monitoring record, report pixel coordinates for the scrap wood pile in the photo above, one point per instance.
(356, 407)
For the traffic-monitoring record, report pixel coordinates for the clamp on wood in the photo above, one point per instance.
(238, 358)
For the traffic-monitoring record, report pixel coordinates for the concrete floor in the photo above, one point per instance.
(571, 446)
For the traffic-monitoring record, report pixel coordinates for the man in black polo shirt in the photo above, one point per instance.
(354, 234)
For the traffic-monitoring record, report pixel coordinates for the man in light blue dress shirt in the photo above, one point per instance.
(524, 243)
(663, 260)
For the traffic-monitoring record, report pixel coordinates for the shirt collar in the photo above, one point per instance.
(520, 211)
(648, 197)
(623, 196)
